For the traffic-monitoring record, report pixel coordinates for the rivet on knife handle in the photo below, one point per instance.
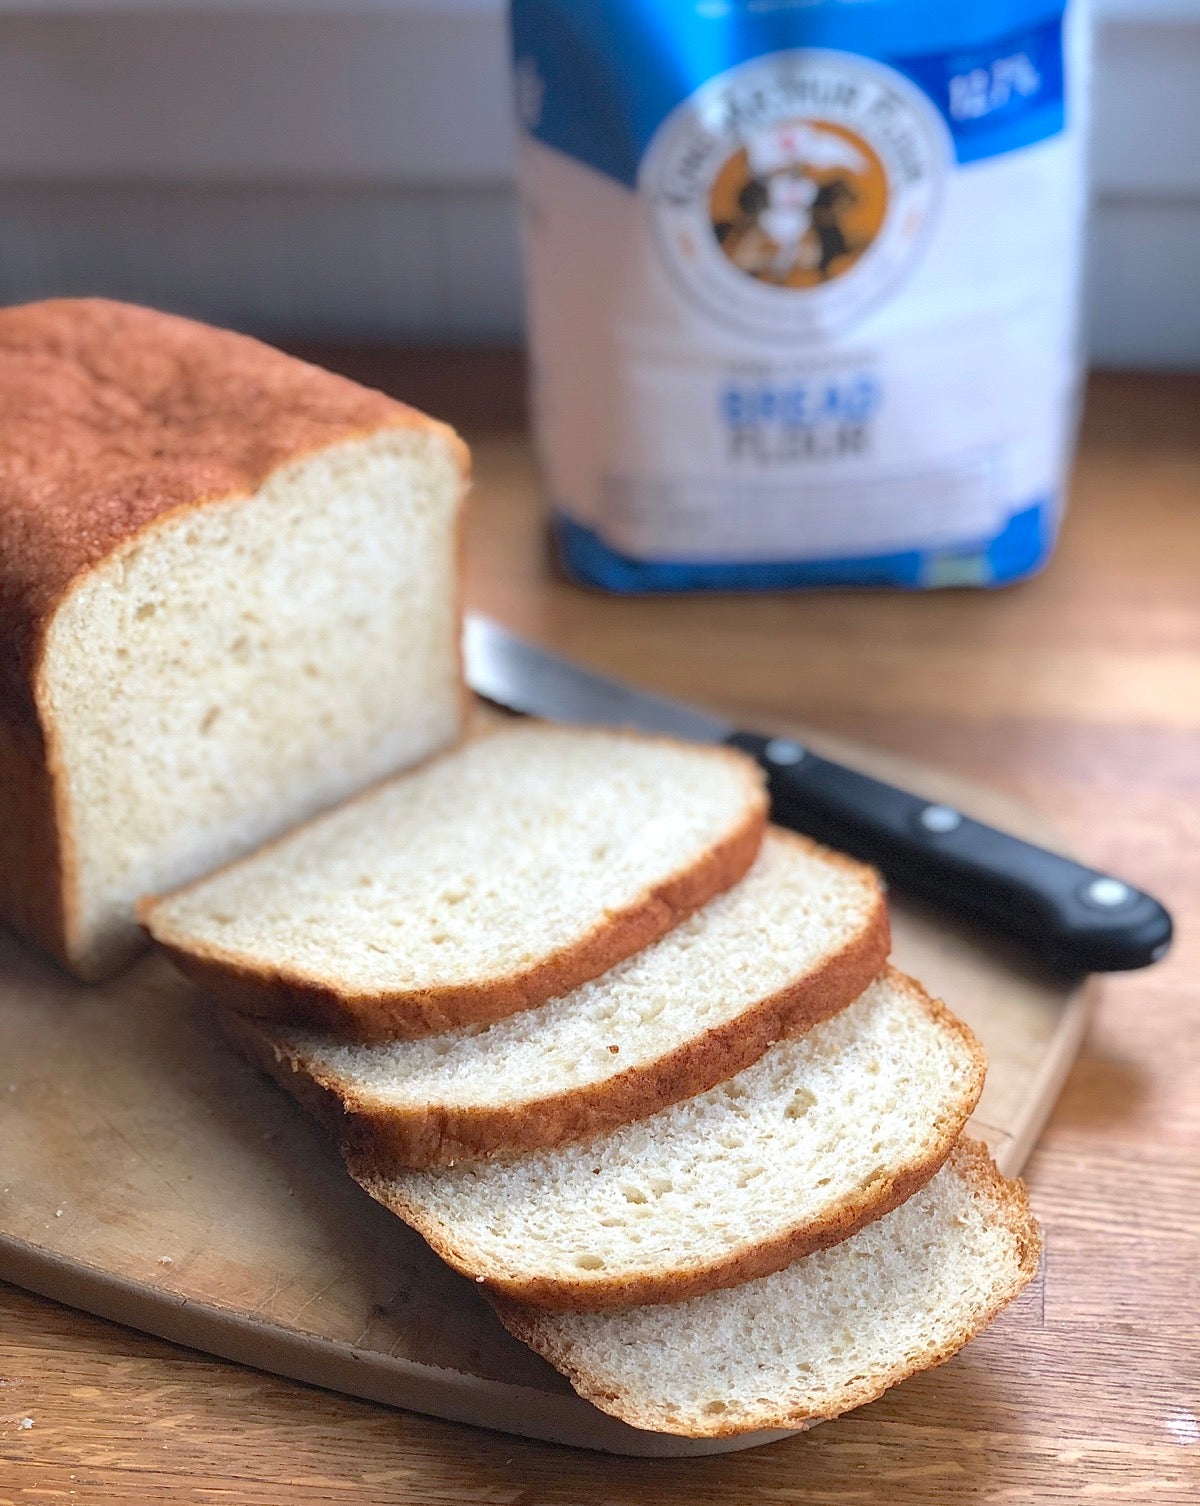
(1076, 919)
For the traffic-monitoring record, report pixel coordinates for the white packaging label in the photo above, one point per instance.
(807, 330)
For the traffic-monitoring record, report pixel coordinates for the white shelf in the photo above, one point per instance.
(416, 97)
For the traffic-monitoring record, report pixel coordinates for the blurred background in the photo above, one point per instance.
(342, 170)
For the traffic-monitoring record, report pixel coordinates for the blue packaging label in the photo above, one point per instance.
(803, 284)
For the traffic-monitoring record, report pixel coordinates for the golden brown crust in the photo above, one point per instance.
(971, 1161)
(247, 986)
(31, 873)
(116, 417)
(854, 1212)
(383, 1134)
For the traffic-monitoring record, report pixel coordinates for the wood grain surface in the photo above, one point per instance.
(1080, 693)
(152, 1176)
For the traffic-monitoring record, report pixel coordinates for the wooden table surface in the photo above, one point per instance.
(1079, 691)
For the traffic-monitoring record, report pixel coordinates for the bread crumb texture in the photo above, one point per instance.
(789, 912)
(823, 1133)
(829, 1332)
(483, 880)
(228, 593)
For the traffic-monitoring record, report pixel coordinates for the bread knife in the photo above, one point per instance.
(1074, 918)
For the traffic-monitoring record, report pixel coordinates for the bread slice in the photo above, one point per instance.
(229, 592)
(819, 1137)
(492, 879)
(829, 1332)
(799, 938)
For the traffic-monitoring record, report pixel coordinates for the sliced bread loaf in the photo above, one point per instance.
(229, 592)
(799, 938)
(829, 1332)
(822, 1135)
(491, 879)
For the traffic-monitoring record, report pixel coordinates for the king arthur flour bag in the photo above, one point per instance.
(803, 282)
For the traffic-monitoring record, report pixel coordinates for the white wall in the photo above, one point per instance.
(343, 168)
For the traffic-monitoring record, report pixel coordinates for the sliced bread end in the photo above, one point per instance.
(830, 1332)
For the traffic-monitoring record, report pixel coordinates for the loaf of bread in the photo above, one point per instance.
(489, 880)
(820, 1136)
(229, 597)
(798, 939)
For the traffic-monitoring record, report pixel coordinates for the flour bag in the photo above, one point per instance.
(803, 285)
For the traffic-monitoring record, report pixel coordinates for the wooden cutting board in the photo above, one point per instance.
(148, 1175)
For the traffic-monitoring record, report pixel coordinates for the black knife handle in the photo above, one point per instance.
(1077, 919)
